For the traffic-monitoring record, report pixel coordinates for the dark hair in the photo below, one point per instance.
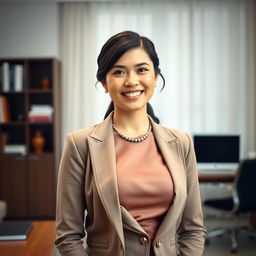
(115, 47)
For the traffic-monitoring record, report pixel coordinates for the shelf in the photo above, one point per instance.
(12, 92)
(40, 123)
(24, 123)
(13, 154)
(40, 91)
(13, 123)
(33, 154)
(29, 172)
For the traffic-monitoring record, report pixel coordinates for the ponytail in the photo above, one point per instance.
(150, 112)
(110, 109)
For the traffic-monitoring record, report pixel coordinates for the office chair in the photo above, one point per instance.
(243, 200)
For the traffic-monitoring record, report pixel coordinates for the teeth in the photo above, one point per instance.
(132, 94)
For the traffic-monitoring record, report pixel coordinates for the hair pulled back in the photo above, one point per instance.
(118, 45)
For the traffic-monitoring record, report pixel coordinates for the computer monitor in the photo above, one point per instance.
(217, 152)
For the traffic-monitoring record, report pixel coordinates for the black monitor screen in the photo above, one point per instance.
(217, 148)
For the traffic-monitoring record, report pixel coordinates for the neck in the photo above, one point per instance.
(133, 123)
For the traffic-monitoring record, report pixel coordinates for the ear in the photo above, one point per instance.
(156, 78)
(104, 84)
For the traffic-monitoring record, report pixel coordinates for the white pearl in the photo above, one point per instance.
(133, 139)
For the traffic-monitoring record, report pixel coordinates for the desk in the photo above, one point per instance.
(219, 177)
(40, 241)
(216, 177)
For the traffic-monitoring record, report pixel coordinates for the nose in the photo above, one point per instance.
(132, 79)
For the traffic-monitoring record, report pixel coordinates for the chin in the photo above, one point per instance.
(135, 108)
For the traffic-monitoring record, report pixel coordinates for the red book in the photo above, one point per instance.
(6, 110)
(39, 119)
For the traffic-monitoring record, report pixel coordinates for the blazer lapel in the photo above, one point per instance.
(170, 149)
(102, 150)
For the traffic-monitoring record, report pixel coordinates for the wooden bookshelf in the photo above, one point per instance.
(27, 178)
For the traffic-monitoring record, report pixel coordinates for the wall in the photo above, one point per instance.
(29, 30)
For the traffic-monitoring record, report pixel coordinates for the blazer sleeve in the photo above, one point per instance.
(191, 232)
(71, 204)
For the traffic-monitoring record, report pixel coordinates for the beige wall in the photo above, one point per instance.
(29, 30)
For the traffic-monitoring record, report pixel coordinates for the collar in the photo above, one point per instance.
(104, 130)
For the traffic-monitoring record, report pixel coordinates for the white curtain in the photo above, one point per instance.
(207, 56)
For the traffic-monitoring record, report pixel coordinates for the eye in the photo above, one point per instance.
(143, 70)
(118, 72)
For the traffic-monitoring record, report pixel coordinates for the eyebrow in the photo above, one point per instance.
(137, 65)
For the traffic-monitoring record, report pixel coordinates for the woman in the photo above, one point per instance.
(136, 180)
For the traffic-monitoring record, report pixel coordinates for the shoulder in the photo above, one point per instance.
(98, 131)
(81, 134)
(183, 138)
(76, 141)
(185, 143)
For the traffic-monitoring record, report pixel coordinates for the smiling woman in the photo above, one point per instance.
(117, 46)
(131, 82)
(137, 180)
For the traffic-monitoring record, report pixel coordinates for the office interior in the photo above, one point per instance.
(207, 52)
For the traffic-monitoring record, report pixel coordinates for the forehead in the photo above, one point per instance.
(134, 56)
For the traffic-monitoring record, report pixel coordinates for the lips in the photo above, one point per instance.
(133, 93)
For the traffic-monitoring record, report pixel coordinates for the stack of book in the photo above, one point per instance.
(4, 110)
(18, 230)
(19, 149)
(11, 77)
(40, 113)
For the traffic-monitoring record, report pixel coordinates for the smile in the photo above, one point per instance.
(132, 93)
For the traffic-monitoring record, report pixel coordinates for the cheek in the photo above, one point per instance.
(113, 92)
(150, 81)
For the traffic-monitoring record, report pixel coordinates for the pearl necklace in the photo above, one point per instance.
(133, 139)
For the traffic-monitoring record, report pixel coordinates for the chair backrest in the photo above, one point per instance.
(246, 185)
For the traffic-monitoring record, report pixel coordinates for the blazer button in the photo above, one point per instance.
(158, 244)
(143, 240)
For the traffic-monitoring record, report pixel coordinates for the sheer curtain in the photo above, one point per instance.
(207, 56)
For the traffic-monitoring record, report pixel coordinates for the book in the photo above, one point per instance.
(1, 78)
(40, 113)
(4, 109)
(1, 110)
(40, 119)
(41, 106)
(18, 78)
(15, 230)
(5, 77)
(15, 149)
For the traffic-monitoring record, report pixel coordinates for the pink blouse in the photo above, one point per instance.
(144, 182)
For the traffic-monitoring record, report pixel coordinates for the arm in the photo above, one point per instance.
(191, 232)
(70, 201)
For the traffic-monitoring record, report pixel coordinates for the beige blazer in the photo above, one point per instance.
(87, 183)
